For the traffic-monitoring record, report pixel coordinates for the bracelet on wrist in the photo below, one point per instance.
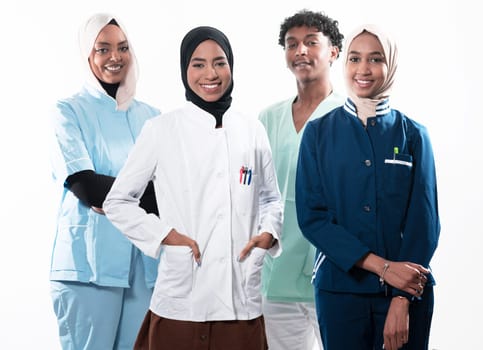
(384, 270)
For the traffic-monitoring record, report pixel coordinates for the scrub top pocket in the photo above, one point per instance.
(71, 251)
(398, 176)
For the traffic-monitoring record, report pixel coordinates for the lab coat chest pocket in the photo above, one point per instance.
(176, 271)
(246, 187)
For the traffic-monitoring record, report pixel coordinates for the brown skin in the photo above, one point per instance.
(366, 71)
(406, 276)
(209, 76)
(109, 60)
(309, 56)
(263, 240)
(110, 57)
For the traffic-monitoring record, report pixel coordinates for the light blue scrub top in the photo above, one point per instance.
(287, 277)
(91, 134)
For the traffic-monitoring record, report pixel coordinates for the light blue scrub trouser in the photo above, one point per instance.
(92, 317)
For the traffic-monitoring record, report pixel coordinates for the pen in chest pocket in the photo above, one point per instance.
(245, 175)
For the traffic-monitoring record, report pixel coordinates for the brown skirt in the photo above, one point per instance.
(158, 333)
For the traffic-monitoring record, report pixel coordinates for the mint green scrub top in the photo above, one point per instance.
(287, 278)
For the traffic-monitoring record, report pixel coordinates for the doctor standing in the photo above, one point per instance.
(101, 283)
(219, 205)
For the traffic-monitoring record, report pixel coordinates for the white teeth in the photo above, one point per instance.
(363, 82)
(213, 86)
(113, 68)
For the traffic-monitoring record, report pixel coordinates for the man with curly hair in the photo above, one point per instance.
(312, 42)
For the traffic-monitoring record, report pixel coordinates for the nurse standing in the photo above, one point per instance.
(219, 206)
(101, 284)
(312, 43)
(366, 197)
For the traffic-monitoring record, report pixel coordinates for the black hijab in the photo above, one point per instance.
(189, 44)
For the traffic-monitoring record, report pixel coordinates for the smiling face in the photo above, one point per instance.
(366, 66)
(309, 53)
(209, 74)
(110, 57)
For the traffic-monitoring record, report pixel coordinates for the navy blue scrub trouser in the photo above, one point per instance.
(356, 321)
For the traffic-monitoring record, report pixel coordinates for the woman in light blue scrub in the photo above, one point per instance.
(101, 284)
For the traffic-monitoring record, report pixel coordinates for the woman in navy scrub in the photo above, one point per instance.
(366, 197)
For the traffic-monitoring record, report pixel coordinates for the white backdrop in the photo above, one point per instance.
(439, 84)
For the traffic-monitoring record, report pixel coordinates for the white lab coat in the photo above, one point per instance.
(219, 187)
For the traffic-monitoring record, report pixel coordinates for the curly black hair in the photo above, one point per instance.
(324, 24)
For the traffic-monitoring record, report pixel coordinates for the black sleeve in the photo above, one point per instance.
(92, 188)
(89, 187)
(148, 200)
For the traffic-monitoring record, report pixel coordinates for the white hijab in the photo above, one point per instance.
(366, 107)
(88, 33)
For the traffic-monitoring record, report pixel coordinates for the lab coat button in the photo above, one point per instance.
(367, 208)
(368, 162)
(203, 337)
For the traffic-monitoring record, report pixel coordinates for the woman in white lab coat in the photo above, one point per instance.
(219, 209)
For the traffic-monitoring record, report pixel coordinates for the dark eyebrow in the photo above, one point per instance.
(105, 43)
(353, 52)
(308, 36)
(289, 38)
(311, 35)
(204, 60)
(197, 59)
